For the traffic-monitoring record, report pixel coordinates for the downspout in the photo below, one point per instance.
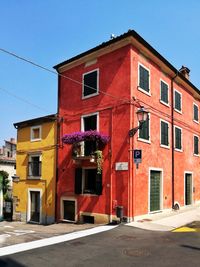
(111, 165)
(172, 134)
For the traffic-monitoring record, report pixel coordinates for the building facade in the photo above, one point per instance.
(35, 181)
(101, 90)
(7, 164)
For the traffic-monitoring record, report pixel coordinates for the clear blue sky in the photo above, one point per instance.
(49, 32)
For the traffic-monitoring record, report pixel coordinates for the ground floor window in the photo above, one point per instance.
(88, 181)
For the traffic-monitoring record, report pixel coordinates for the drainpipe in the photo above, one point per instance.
(172, 133)
(111, 164)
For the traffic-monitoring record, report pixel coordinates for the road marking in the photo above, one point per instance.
(53, 240)
(186, 230)
(8, 226)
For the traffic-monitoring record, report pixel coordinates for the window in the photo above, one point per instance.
(164, 93)
(164, 134)
(144, 132)
(196, 145)
(195, 113)
(90, 83)
(89, 122)
(34, 166)
(87, 181)
(177, 101)
(178, 138)
(35, 133)
(144, 79)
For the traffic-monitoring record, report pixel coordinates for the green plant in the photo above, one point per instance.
(4, 181)
(99, 159)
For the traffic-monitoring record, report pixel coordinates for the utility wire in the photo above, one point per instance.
(22, 99)
(59, 74)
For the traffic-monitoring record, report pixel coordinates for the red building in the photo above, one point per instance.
(102, 89)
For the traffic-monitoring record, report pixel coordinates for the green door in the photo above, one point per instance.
(155, 189)
(188, 189)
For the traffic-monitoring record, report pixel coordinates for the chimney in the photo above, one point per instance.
(185, 71)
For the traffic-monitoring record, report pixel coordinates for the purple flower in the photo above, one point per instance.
(91, 135)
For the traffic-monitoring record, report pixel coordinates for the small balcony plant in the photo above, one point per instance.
(95, 138)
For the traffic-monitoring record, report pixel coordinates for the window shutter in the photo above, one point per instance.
(99, 184)
(78, 181)
(196, 145)
(196, 115)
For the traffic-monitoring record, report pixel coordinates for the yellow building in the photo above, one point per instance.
(34, 186)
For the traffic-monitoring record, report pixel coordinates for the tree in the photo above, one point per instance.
(4, 181)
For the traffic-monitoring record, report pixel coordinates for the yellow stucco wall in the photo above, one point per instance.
(47, 182)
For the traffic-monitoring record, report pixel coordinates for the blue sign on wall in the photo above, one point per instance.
(137, 155)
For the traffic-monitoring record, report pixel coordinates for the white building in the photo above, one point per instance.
(8, 164)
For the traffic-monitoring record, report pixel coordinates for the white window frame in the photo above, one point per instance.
(179, 111)
(144, 140)
(194, 104)
(161, 101)
(176, 149)
(29, 203)
(83, 128)
(30, 156)
(94, 94)
(192, 185)
(164, 146)
(62, 208)
(196, 155)
(88, 115)
(139, 88)
(32, 135)
(161, 189)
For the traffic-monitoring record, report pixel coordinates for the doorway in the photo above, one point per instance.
(188, 188)
(69, 210)
(155, 190)
(34, 206)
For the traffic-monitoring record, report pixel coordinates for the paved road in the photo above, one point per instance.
(19, 232)
(122, 246)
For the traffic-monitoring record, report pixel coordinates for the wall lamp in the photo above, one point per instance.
(142, 115)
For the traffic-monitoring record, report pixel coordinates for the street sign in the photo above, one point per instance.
(137, 156)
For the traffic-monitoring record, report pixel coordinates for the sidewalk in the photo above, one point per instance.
(167, 221)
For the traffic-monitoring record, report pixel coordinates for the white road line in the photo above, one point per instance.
(52, 240)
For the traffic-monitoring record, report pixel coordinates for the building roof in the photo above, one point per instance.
(139, 39)
(35, 121)
(7, 160)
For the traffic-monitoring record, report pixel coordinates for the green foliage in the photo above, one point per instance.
(4, 181)
(99, 159)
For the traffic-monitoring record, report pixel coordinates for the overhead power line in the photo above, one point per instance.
(59, 74)
(22, 99)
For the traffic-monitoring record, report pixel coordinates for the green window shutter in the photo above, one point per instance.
(178, 137)
(143, 78)
(144, 131)
(196, 113)
(196, 145)
(164, 92)
(78, 181)
(164, 133)
(177, 101)
(99, 183)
